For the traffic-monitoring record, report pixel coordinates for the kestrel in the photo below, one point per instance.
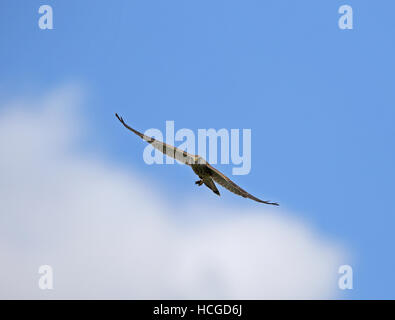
(208, 175)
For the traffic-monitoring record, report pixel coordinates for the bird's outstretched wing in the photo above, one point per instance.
(224, 181)
(167, 149)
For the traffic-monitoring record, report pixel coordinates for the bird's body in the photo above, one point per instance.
(204, 173)
(208, 174)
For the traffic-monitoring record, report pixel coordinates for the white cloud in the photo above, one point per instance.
(108, 234)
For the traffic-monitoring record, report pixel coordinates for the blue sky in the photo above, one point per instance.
(319, 100)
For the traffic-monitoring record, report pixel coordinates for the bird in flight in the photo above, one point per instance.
(207, 174)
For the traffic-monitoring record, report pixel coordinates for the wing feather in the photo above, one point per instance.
(167, 149)
(224, 181)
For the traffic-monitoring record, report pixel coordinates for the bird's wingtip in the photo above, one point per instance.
(269, 202)
(119, 118)
(272, 203)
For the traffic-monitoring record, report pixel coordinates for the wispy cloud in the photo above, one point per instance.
(109, 234)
